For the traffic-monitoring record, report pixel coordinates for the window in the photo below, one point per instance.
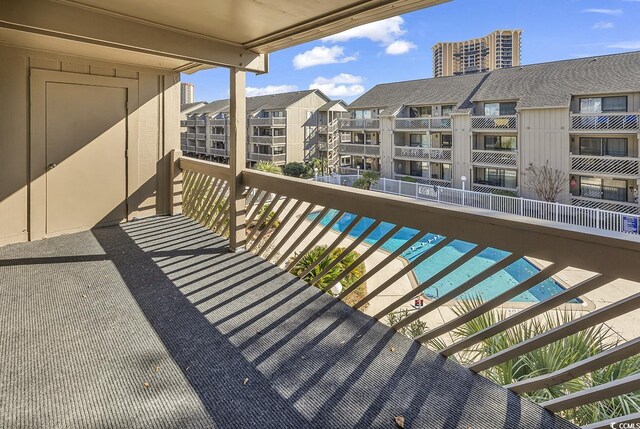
(497, 109)
(415, 168)
(278, 150)
(446, 110)
(417, 140)
(603, 104)
(596, 146)
(420, 112)
(603, 189)
(496, 177)
(278, 114)
(500, 143)
(447, 140)
(362, 114)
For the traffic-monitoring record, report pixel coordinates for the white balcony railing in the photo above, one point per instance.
(506, 122)
(495, 157)
(268, 122)
(359, 124)
(191, 122)
(607, 205)
(201, 136)
(422, 153)
(422, 180)
(218, 122)
(605, 122)
(480, 187)
(268, 139)
(200, 122)
(218, 152)
(609, 165)
(359, 149)
(437, 123)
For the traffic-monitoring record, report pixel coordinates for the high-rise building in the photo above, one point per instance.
(499, 49)
(187, 93)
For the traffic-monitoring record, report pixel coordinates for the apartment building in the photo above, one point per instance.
(326, 121)
(281, 128)
(580, 116)
(499, 49)
(187, 93)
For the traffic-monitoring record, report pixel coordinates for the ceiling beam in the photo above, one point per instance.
(84, 25)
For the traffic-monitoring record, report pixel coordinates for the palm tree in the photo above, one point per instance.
(267, 167)
(314, 254)
(552, 357)
(367, 179)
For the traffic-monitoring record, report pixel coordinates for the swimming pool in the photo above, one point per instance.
(490, 288)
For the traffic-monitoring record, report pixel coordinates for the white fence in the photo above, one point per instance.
(555, 212)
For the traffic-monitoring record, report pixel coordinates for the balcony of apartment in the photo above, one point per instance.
(201, 136)
(359, 124)
(416, 177)
(218, 137)
(271, 121)
(220, 122)
(604, 123)
(278, 159)
(495, 123)
(420, 153)
(219, 151)
(495, 180)
(504, 158)
(191, 123)
(359, 149)
(605, 165)
(423, 124)
(609, 194)
(268, 139)
(200, 122)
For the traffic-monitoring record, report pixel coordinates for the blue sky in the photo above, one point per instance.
(397, 49)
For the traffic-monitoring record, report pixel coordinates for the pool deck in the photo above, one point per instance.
(627, 326)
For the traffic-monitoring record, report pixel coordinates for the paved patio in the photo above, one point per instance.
(153, 324)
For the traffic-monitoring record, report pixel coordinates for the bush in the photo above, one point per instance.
(263, 209)
(367, 179)
(295, 169)
(267, 167)
(408, 179)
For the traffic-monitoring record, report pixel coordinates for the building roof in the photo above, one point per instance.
(261, 102)
(440, 90)
(186, 107)
(331, 104)
(552, 84)
(541, 85)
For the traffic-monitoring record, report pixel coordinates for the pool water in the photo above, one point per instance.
(500, 282)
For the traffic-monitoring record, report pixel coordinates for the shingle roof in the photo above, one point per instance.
(537, 85)
(552, 84)
(440, 90)
(261, 102)
(328, 105)
(187, 106)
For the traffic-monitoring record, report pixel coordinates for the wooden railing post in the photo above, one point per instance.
(237, 160)
(175, 183)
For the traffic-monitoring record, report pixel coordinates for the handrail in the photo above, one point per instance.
(315, 239)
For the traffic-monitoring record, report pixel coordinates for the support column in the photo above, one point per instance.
(175, 183)
(237, 160)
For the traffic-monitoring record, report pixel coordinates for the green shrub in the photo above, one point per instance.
(295, 169)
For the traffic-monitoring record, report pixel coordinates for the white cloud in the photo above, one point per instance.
(602, 25)
(270, 89)
(632, 44)
(321, 55)
(400, 47)
(386, 33)
(612, 12)
(342, 85)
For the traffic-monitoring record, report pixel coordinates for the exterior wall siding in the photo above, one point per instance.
(158, 132)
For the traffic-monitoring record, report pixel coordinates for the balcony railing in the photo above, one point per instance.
(201, 136)
(359, 149)
(605, 122)
(490, 189)
(268, 122)
(218, 122)
(406, 178)
(218, 137)
(609, 165)
(359, 124)
(606, 205)
(218, 152)
(295, 216)
(191, 122)
(437, 123)
(191, 135)
(506, 122)
(495, 157)
(268, 139)
(278, 159)
(422, 153)
(200, 122)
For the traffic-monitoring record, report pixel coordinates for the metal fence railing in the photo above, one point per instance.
(555, 212)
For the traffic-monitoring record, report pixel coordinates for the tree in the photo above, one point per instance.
(295, 169)
(408, 179)
(550, 358)
(267, 167)
(314, 254)
(546, 182)
(367, 179)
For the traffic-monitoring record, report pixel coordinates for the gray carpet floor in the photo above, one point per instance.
(153, 324)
